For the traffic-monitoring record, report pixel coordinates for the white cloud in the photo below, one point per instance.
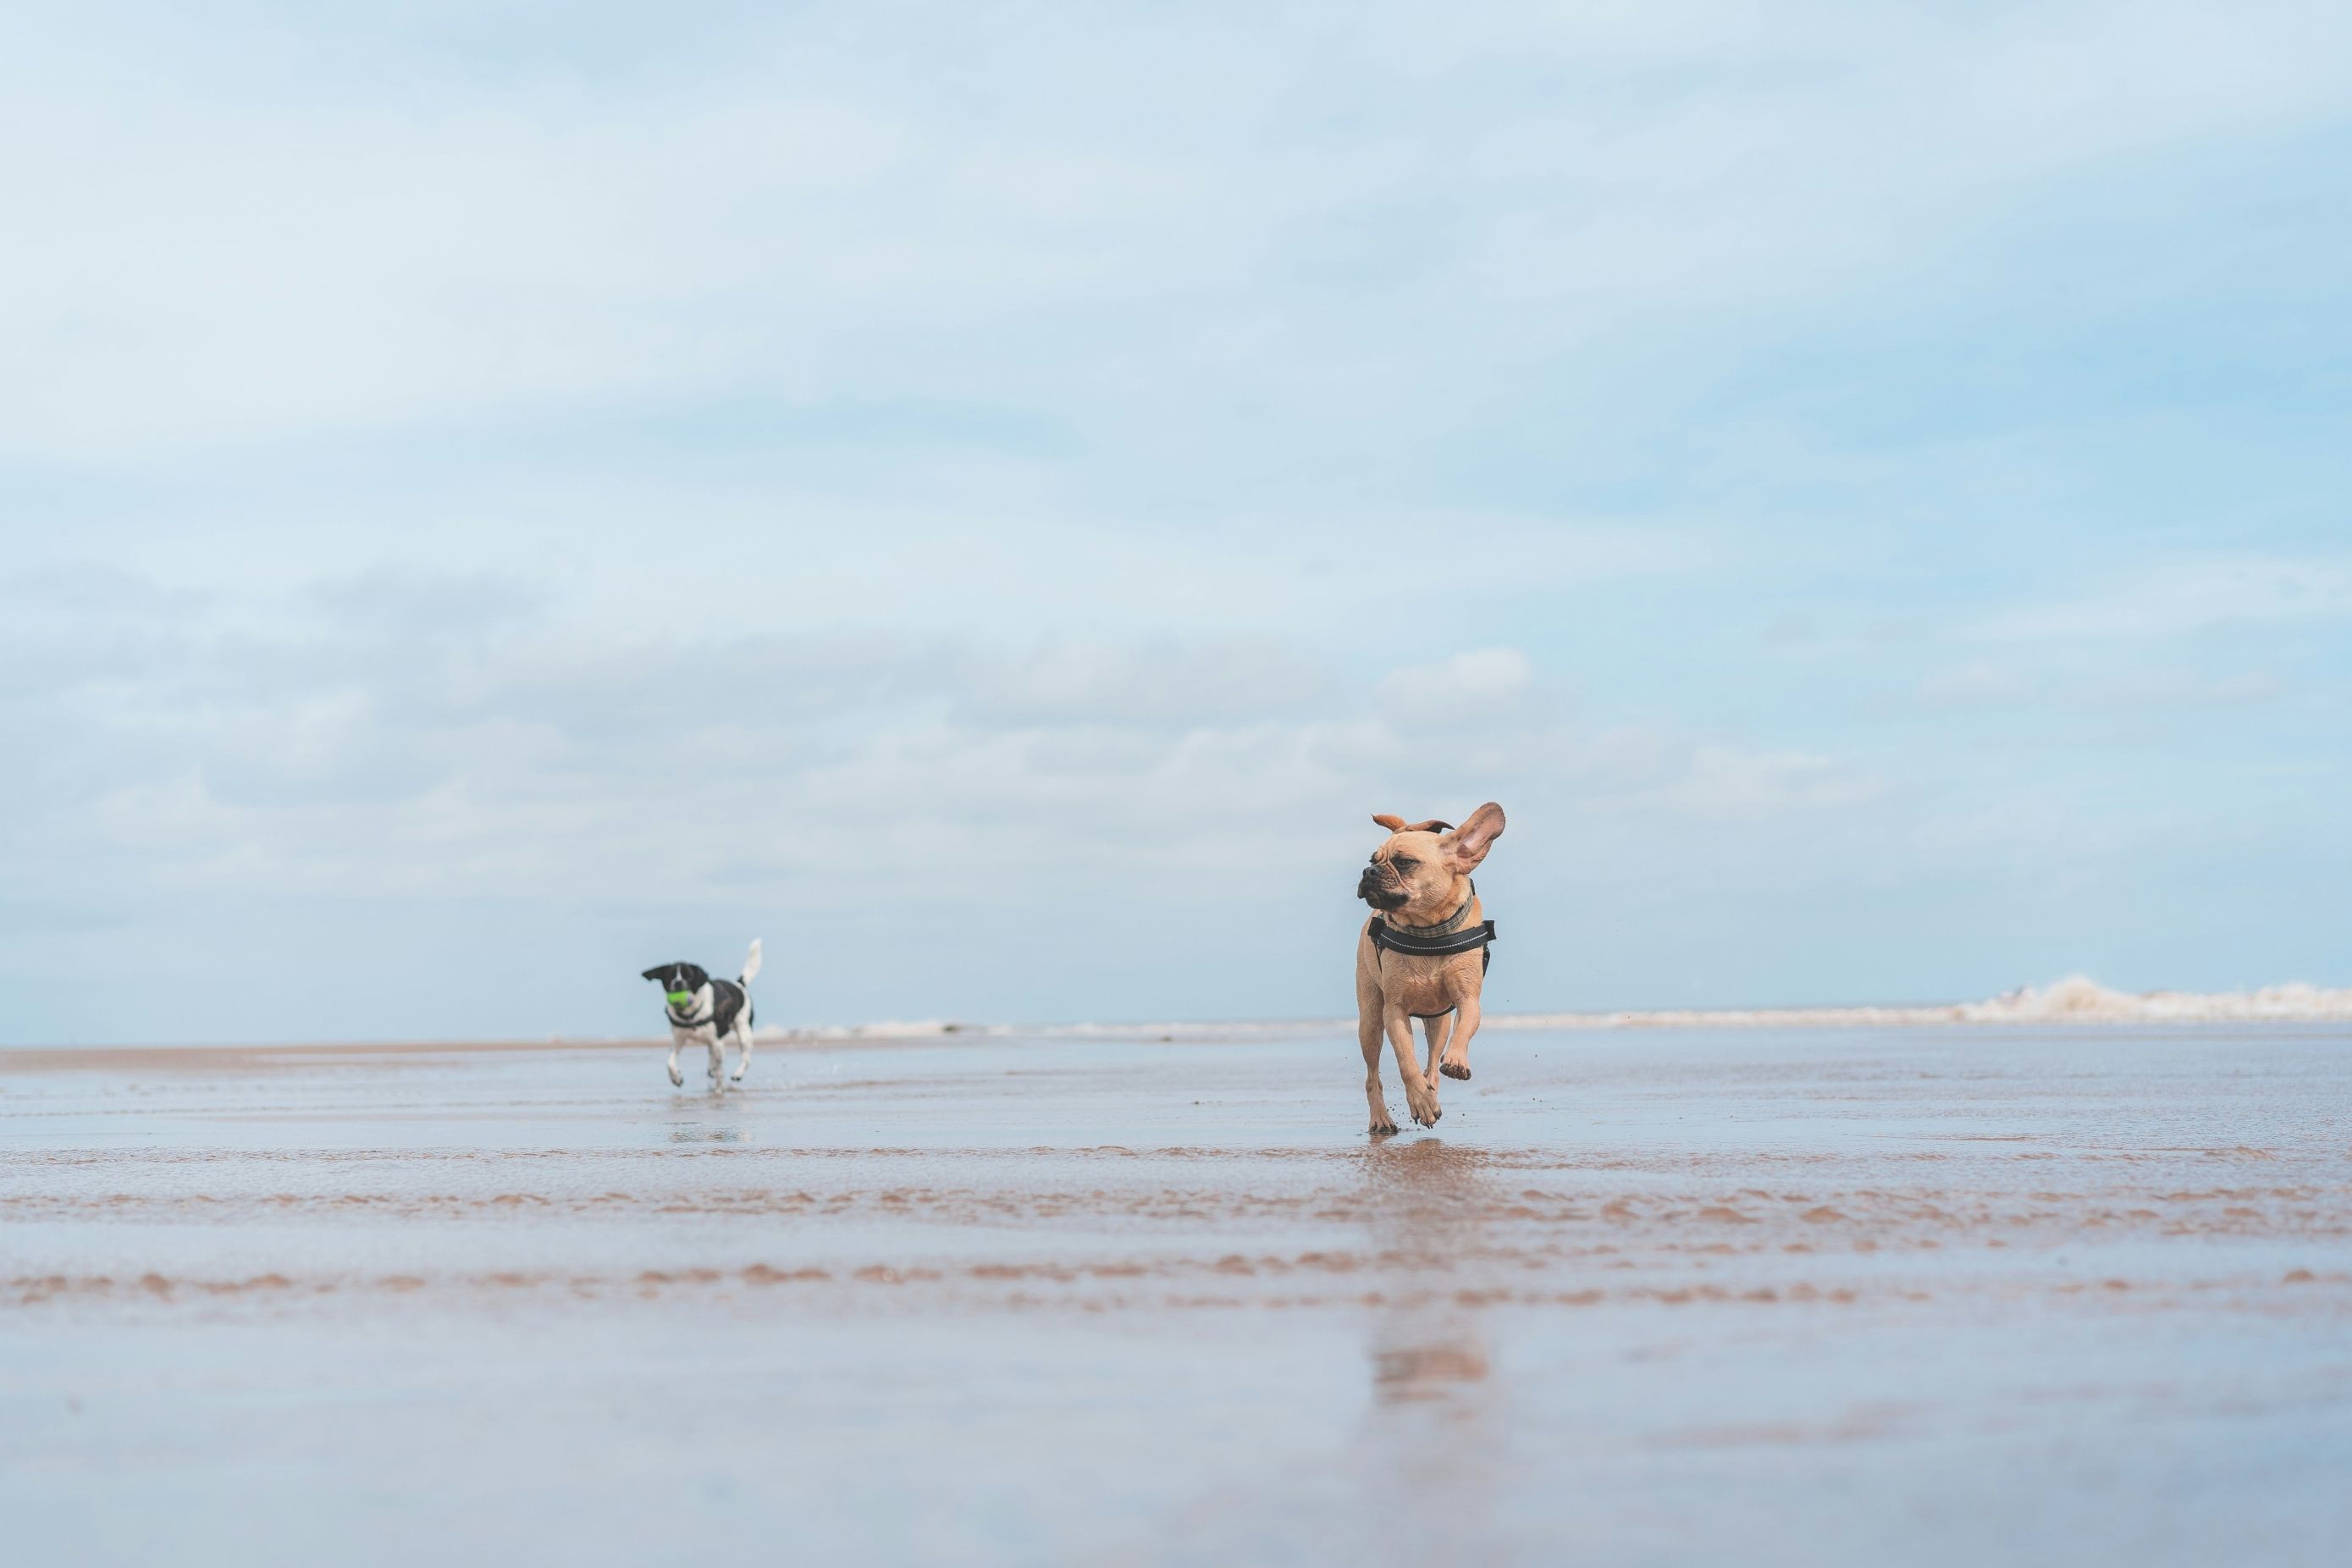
(1982, 685)
(1483, 687)
(1979, 684)
(2179, 688)
(443, 740)
(2183, 597)
(1729, 784)
(1156, 683)
(302, 226)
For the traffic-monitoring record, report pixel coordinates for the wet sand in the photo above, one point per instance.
(1771, 1295)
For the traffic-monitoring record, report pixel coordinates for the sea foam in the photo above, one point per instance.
(2077, 999)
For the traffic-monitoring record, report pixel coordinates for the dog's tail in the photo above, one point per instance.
(750, 964)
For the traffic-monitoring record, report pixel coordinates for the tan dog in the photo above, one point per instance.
(1422, 955)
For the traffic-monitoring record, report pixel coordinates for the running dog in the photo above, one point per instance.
(1422, 954)
(704, 1012)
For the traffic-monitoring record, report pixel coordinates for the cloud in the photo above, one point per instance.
(787, 205)
(1728, 783)
(2184, 689)
(1984, 686)
(2181, 598)
(1158, 683)
(1481, 688)
(422, 740)
(411, 601)
(1979, 684)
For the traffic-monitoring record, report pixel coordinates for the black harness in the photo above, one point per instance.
(1387, 938)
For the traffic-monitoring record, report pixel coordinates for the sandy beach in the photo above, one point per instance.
(1919, 1295)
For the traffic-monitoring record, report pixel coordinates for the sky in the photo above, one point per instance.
(990, 499)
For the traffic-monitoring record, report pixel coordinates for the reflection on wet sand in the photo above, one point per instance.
(697, 1133)
(1425, 1205)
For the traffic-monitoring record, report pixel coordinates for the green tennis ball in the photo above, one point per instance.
(680, 998)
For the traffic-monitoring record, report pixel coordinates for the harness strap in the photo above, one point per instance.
(1389, 939)
(721, 1019)
(743, 1018)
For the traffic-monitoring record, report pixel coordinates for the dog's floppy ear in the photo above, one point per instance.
(1399, 824)
(1394, 823)
(1468, 845)
(658, 972)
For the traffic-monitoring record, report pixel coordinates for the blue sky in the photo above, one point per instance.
(496, 496)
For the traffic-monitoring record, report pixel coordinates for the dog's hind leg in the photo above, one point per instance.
(718, 1062)
(743, 1049)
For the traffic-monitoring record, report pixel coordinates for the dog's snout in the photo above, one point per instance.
(1379, 887)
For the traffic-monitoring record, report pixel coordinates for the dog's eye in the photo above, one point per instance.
(1404, 863)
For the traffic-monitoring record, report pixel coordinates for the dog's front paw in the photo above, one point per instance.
(677, 1079)
(1425, 1107)
(1383, 1127)
(1456, 1069)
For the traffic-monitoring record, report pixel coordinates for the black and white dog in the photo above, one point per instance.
(703, 1012)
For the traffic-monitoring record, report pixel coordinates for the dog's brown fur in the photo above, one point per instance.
(1420, 877)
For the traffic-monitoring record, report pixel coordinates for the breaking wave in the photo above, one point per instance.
(2077, 999)
(888, 1029)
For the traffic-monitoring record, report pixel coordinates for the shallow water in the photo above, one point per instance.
(1930, 1296)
